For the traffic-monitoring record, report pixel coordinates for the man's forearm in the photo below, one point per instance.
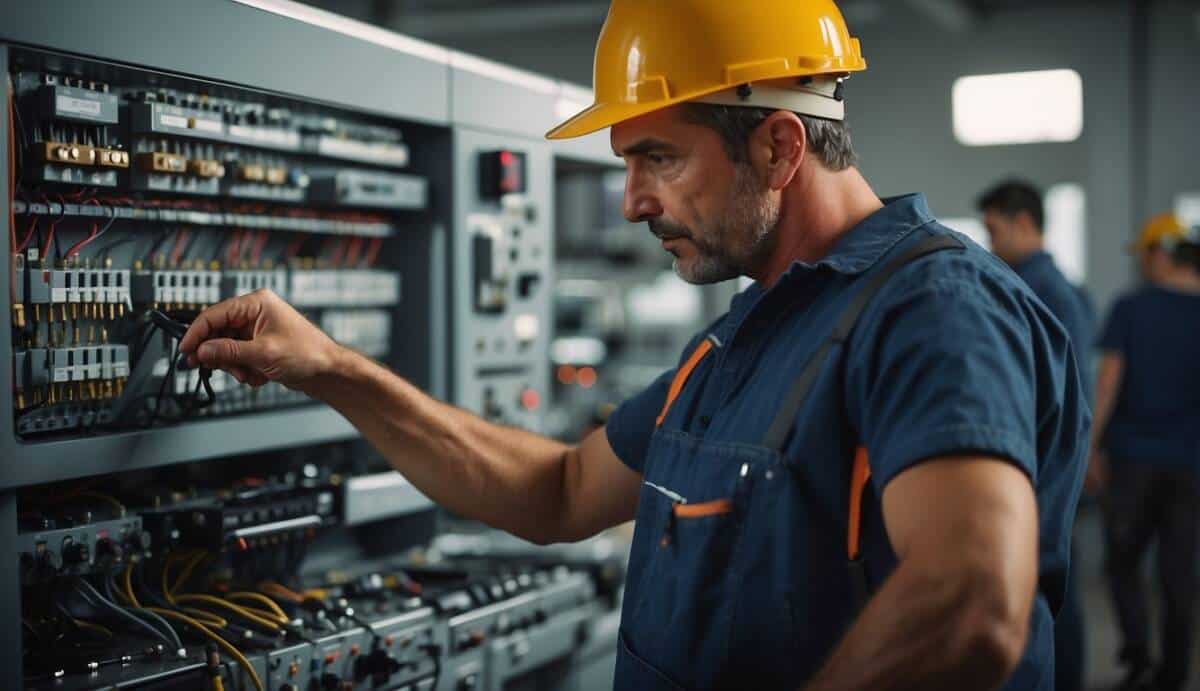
(924, 631)
(508, 478)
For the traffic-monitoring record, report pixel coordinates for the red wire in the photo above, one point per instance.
(353, 252)
(258, 247)
(293, 247)
(230, 251)
(49, 240)
(180, 242)
(373, 252)
(28, 235)
(339, 252)
(80, 245)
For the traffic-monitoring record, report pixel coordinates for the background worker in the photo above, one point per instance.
(862, 476)
(1145, 449)
(1014, 215)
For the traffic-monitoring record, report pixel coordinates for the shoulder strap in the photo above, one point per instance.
(785, 418)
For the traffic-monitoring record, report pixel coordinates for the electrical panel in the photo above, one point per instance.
(170, 528)
(505, 251)
(134, 196)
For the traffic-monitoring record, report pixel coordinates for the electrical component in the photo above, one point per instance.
(112, 158)
(206, 168)
(91, 106)
(500, 173)
(243, 281)
(104, 546)
(162, 162)
(188, 288)
(344, 288)
(367, 331)
(66, 154)
(368, 189)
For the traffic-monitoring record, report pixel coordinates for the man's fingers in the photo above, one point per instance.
(229, 353)
(233, 315)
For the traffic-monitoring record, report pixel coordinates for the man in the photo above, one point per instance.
(1146, 448)
(758, 531)
(1014, 216)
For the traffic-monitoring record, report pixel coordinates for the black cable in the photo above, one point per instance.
(84, 589)
(145, 614)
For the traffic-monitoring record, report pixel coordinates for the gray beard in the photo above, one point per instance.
(752, 217)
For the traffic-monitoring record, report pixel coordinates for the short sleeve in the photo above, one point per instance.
(631, 425)
(1115, 336)
(944, 367)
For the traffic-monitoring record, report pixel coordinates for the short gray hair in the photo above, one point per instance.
(829, 140)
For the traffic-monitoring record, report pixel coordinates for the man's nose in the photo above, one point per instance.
(639, 204)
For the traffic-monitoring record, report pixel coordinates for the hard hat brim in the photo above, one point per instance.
(601, 115)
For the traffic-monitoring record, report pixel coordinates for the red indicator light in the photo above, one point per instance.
(506, 158)
(530, 400)
(587, 377)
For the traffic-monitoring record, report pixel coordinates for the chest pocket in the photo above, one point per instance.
(711, 522)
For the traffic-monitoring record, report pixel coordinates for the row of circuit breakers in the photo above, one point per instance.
(138, 201)
(220, 565)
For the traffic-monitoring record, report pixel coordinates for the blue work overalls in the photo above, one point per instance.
(723, 574)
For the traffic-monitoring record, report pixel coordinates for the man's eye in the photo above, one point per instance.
(656, 159)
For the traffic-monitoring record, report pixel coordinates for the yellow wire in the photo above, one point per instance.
(207, 617)
(93, 627)
(187, 571)
(238, 609)
(280, 591)
(221, 642)
(129, 586)
(314, 594)
(259, 597)
(107, 499)
(270, 616)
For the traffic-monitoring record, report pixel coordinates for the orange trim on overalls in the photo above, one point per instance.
(681, 378)
(859, 475)
(709, 508)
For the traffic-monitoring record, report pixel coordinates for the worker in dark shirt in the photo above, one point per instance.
(1014, 215)
(1145, 448)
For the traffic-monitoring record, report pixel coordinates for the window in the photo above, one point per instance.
(1187, 205)
(1066, 229)
(971, 227)
(1018, 108)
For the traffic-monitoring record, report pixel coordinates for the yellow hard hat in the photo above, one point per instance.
(655, 53)
(1163, 229)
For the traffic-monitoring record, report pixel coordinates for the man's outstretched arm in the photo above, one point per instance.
(535, 487)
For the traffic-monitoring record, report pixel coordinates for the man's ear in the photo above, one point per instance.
(778, 147)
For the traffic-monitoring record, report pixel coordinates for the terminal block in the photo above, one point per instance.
(162, 162)
(94, 293)
(367, 331)
(66, 154)
(350, 288)
(240, 282)
(188, 288)
(53, 375)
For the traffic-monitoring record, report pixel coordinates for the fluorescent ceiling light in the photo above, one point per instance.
(1018, 108)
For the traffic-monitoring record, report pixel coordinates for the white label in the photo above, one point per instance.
(61, 374)
(121, 369)
(213, 126)
(173, 120)
(78, 106)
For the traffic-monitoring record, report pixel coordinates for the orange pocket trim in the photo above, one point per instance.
(708, 508)
(681, 378)
(859, 476)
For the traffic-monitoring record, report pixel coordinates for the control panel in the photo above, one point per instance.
(502, 319)
(139, 200)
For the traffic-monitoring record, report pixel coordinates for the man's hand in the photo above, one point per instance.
(259, 338)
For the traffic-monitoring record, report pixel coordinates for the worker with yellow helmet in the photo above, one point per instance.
(1145, 454)
(861, 477)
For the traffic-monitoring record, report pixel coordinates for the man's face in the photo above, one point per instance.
(1002, 229)
(717, 218)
